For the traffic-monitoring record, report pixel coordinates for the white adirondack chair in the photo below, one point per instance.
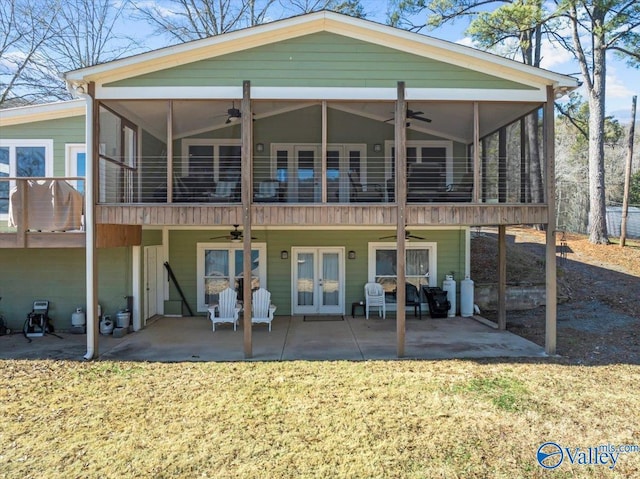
(262, 308)
(374, 297)
(227, 309)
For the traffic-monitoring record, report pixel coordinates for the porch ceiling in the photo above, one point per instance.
(450, 120)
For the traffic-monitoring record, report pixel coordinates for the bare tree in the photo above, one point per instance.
(352, 8)
(24, 29)
(597, 27)
(43, 38)
(186, 20)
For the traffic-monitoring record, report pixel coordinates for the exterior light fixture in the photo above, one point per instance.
(260, 147)
(284, 254)
(352, 254)
(377, 147)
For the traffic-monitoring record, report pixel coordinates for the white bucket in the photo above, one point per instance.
(122, 319)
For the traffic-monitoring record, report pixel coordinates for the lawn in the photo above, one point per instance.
(404, 419)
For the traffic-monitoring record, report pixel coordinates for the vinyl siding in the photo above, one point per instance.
(321, 60)
(61, 131)
(182, 257)
(58, 275)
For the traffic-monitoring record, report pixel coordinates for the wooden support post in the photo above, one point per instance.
(477, 179)
(502, 165)
(323, 154)
(401, 202)
(524, 167)
(170, 151)
(502, 277)
(550, 273)
(247, 196)
(23, 214)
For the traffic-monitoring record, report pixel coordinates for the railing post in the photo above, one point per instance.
(22, 216)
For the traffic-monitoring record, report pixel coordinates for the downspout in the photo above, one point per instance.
(89, 225)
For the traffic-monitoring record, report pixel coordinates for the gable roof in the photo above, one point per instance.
(323, 21)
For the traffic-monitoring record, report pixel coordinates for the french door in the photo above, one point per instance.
(299, 168)
(318, 280)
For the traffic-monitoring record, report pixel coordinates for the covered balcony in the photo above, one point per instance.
(178, 161)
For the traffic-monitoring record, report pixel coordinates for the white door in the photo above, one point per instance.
(318, 280)
(151, 271)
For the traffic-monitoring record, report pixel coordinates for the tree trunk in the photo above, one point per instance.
(597, 205)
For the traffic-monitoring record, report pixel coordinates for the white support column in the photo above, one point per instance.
(136, 286)
(91, 271)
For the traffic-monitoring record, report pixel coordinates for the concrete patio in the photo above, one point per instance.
(169, 339)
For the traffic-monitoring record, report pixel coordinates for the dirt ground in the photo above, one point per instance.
(598, 290)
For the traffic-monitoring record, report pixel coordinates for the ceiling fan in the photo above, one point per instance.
(407, 236)
(414, 115)
(234, 235)
(233, 114)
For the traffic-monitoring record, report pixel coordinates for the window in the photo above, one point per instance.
(23, 158)
(420, 266)
(438, 153)
(76, 162)
(216, 160)
(220, 265)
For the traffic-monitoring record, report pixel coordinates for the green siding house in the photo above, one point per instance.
(313, 154)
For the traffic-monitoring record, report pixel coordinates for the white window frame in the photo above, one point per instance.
(71, 150)
(13, 144)
(231, 248)
(343, 148)
(430, 246)
(215, 143)
(446, 144)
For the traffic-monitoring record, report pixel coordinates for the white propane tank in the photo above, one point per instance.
(449, 285)
(78, 319)
(106, 325)
(466, 297)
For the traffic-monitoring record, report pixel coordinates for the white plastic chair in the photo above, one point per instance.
(262, 308)
(227, 309)
(374, 297)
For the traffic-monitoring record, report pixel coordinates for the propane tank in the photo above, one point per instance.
(466, 297)
(78, 319)
(449, 285)
(106, 325)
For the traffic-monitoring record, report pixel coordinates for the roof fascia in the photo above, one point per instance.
(42, 112)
